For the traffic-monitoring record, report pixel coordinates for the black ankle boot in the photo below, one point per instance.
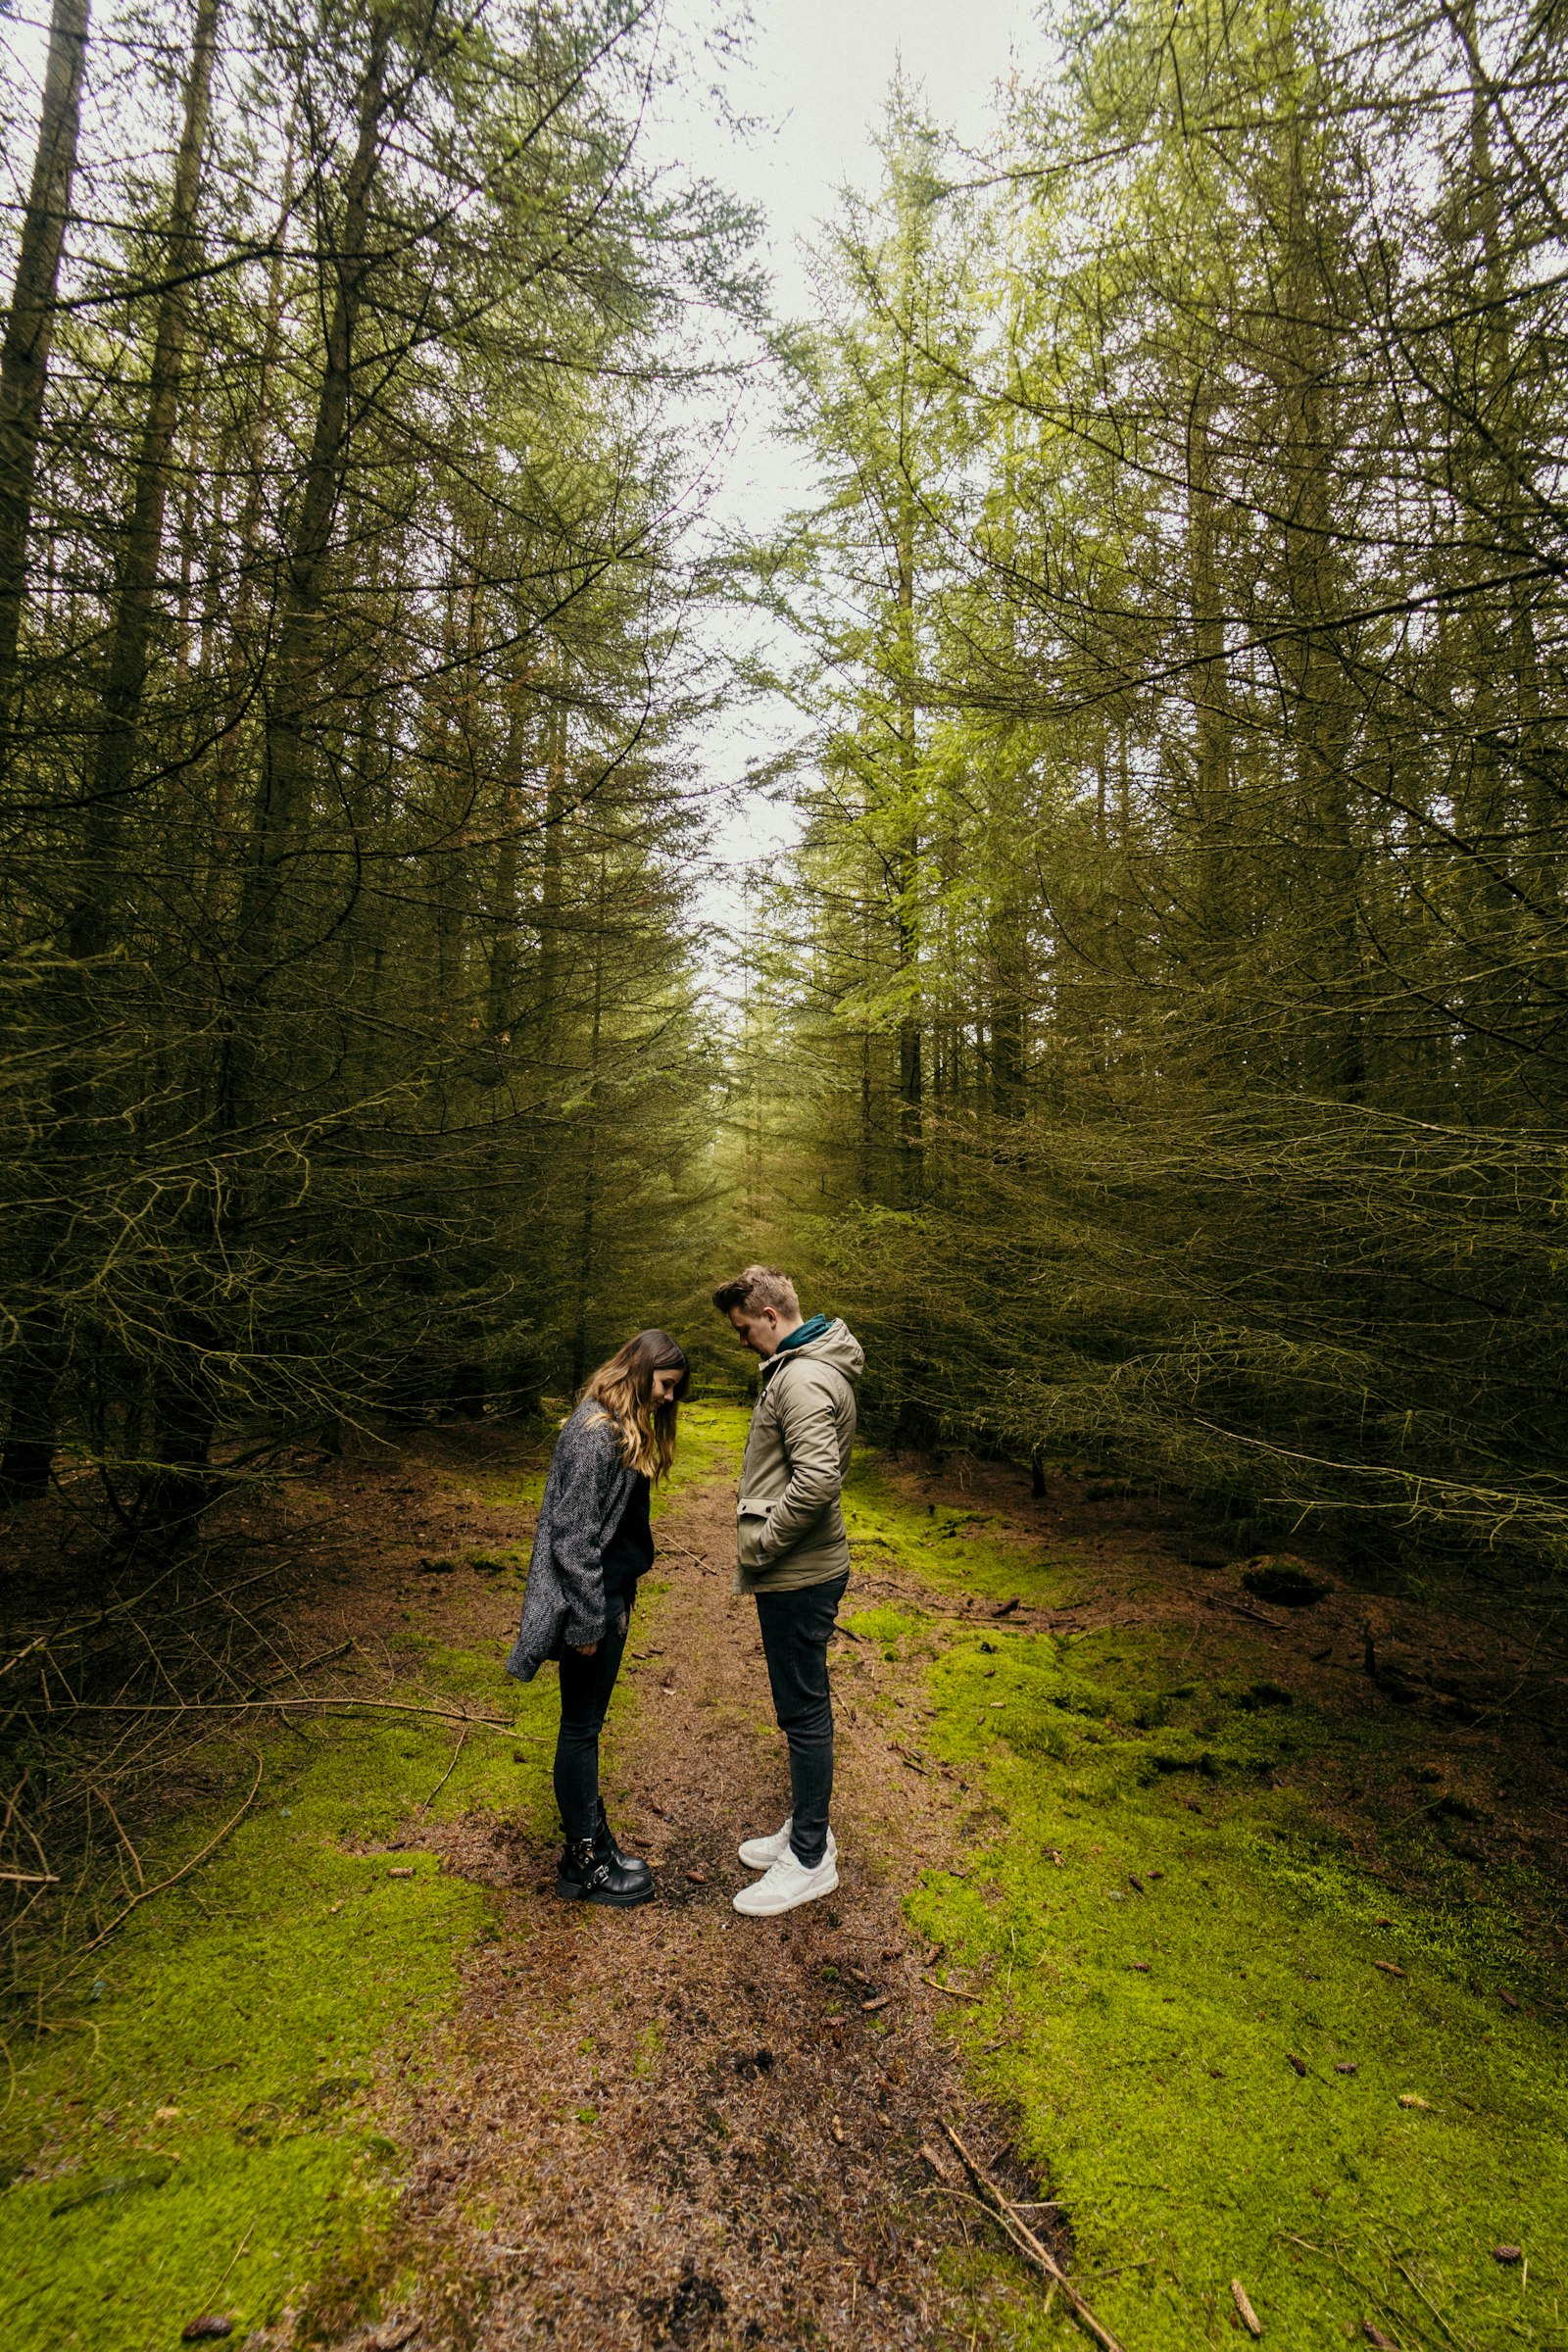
(586, 1875)
(608, 1850)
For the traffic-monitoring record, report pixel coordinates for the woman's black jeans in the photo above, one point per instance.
(796, 1628)
(585, 1687)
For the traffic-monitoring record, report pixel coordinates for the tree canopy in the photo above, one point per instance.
(355, 1052)
(1157, 1039)
(1174, 980)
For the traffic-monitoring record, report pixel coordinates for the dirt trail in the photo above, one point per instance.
(678, 2127)
(674, 2126)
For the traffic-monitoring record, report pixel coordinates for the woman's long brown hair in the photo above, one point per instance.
(623, 1389)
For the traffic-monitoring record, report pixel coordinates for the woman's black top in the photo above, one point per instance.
(629, 1553)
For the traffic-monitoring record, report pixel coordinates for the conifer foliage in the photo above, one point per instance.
(1177, 947)
(346, 979)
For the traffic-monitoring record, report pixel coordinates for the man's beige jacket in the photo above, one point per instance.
(790, 1521)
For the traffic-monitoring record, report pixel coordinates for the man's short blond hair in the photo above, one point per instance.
(756, 1287)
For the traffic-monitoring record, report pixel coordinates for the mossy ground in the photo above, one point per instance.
(1146, 1972)
(198, 2123)
(196, 2131)
(1169, 1994)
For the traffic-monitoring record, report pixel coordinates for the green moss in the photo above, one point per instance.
(514, 1489)
(1151, 1973)
(960, 1548)
(649, 2049)
(261, 2000)
(889, 1628)
(711, 1438)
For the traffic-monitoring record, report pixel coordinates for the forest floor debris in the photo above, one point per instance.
(1114, 1872)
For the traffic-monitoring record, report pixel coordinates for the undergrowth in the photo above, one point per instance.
(197, 2129)
(1176, 1952)
(1231, 2049)
(200, 2136)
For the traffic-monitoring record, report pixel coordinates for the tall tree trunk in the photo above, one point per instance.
(1322, 718)
(1007, 981)
(248, 537)
(502, 988)
(552, 960)
(30, 324)
(32, 1435)
(587, 1234)
(136, 588)
(907, 872)
(1207, 690)
(285, 763)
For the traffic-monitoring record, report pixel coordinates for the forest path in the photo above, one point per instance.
(1248, 1945)
(1254, 1937)
(674, 2126)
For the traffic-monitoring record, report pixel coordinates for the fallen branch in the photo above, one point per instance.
(965, 2196)
(954, 1992)
(126, 1608)
(1242, 1608)
(447, 1775)
(20, 1657)
(962, 2196)
(183, 1872)
(94, 1790)
(1024, 2238)
(323, 1659)
(1363, 2287)
(269, 1706)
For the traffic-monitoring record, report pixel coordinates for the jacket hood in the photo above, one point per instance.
(837, 1345)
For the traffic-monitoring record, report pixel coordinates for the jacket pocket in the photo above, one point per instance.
(751, 1531)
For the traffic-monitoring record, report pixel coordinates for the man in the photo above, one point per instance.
(794, 1555)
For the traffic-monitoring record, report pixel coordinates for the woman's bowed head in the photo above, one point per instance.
(638, 1392)
(593, 1543)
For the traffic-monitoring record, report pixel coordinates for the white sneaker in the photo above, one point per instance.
(761, 1853)
(788, 1882)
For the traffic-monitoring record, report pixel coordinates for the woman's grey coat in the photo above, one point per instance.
(588, 1487)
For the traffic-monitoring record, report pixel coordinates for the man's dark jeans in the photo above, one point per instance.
(796, 1628)
(585, 1687)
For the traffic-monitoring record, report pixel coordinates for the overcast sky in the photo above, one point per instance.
(815, 78)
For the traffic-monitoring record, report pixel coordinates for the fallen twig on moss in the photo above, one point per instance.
(269, 1706)
(174, 1876)
(1024, 2238)
(462, 1737)
(1411, 2280)
(1363, 2286)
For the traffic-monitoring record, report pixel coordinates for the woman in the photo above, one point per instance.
(592, 1543)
